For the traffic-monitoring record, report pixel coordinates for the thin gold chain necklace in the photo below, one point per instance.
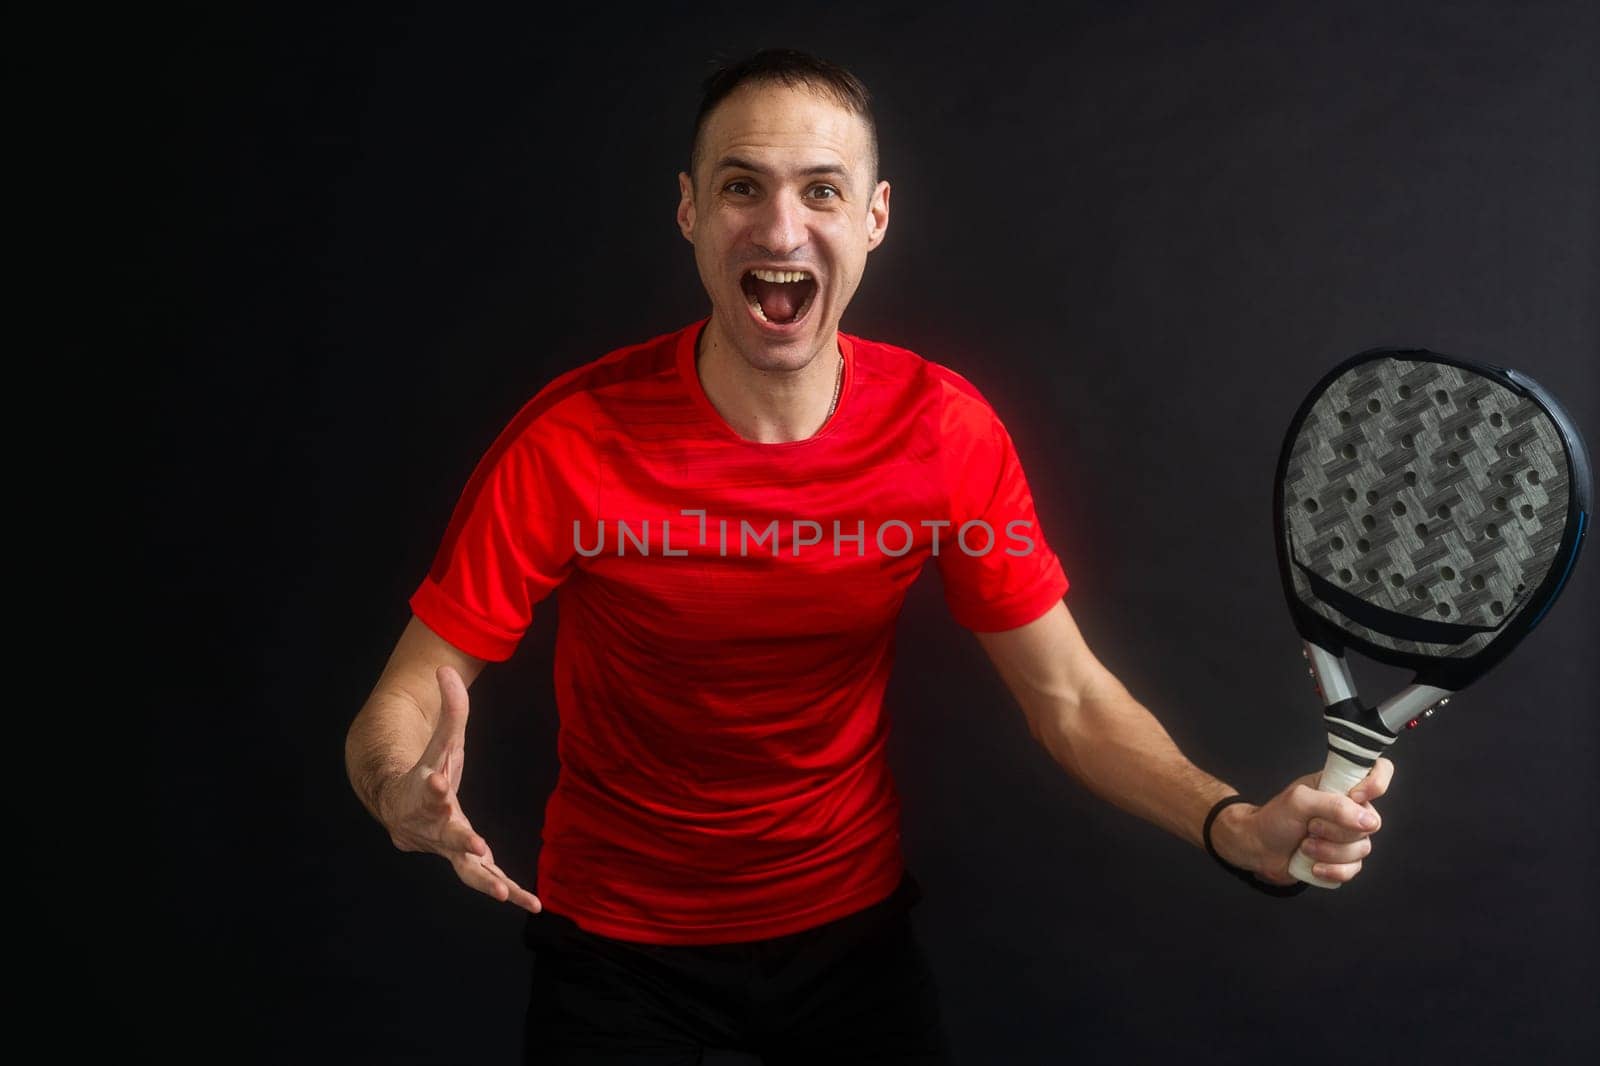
(838, 386)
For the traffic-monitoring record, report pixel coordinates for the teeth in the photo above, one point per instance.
(781, 276)
(756, 304)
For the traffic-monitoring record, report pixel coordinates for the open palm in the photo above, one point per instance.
(423, 813)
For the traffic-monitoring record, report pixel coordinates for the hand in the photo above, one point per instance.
(1328, 827)
(422, 813)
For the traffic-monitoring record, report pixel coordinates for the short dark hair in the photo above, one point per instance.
(786, 66)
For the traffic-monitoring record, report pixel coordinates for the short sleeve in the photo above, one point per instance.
(999, 571)
(509, 541)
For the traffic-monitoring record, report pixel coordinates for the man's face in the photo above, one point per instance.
(784, 185)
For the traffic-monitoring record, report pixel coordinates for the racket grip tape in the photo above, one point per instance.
(1340, 775)
(1357, 737)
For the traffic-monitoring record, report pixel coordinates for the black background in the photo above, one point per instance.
(1143, 230)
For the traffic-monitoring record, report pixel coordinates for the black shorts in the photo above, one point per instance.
(854, 990)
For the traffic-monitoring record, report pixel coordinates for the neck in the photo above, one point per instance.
(768, 406)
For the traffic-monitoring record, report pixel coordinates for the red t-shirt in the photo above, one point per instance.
(720, 676)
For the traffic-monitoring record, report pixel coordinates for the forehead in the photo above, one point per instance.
(776, 124)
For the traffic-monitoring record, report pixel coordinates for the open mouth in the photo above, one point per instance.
(779, 297)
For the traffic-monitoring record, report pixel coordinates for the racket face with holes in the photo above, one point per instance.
(1428, 511)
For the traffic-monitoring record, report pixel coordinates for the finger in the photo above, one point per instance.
(1336, 810)
(454, 760)
(460, 836)
(1325, 829)
(451, 834)
(518, 895)
(1340, 872)
(473, 873)
(420, 794)
(450, 770)
(451, 728)
(454, 691)
(1332, 852)
(436, 783)
(1376, 783)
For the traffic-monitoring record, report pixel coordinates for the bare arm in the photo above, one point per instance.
(405, 753)
(392, 729)
(1105, 738)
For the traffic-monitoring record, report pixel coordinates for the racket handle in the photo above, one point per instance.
(1339, 775)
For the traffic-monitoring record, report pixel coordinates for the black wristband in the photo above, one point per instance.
(1244, 875)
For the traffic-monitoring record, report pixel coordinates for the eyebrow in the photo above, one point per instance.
(739, 163)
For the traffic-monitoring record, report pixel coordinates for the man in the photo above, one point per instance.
(731, 514)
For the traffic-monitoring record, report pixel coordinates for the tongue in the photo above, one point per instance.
(780, 300)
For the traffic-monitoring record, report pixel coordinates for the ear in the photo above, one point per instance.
(686, 206)
(878, 215)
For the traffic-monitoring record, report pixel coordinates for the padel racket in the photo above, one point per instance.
(1428, 511)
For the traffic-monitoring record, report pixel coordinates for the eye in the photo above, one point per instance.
(833, 194)
(736, 185)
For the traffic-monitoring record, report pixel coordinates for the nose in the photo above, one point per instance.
(780, 226)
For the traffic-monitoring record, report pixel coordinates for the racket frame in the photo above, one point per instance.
(1358, 734)
(1452, 674)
